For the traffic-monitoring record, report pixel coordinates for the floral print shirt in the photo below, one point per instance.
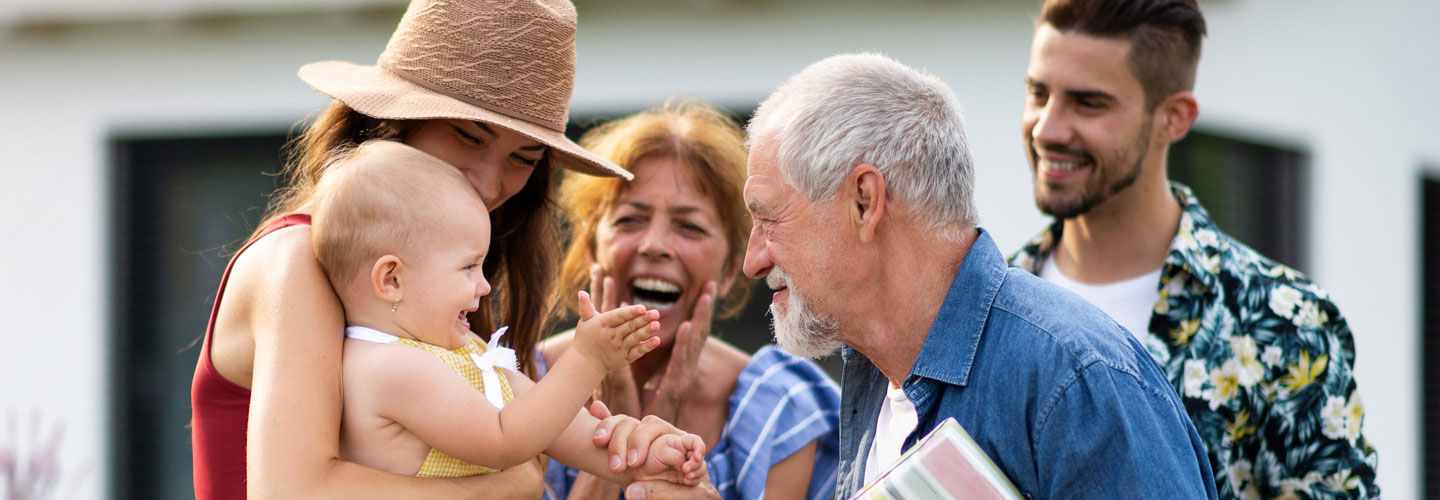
(1262, 360)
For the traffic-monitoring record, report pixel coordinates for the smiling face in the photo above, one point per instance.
(1087, 129)
(793, 246)
(441, 278)
(497, 161)
(661, 240)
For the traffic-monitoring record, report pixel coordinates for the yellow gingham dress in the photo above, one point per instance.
(437, 463)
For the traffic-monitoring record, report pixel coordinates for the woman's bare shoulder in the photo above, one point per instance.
(722, 364)
(726, 356)
(282, 264)
(267, 272)
(277, 281)
(274, 254)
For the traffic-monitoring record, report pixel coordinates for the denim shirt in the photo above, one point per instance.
(1061, 398)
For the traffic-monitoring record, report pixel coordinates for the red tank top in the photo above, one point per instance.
(220, 409)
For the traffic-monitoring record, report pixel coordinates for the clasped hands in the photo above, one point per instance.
(652, 447)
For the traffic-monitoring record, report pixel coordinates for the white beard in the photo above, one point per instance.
(799, 329)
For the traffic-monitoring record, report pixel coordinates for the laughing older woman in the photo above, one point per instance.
(673, 240)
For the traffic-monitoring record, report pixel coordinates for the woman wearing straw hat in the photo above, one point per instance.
(482, 84)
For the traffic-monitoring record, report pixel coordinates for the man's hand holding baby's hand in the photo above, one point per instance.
(616, 337)
(652, 448)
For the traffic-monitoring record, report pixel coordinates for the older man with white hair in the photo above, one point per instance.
(860, 185)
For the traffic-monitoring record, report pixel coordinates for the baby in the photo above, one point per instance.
(402, 235)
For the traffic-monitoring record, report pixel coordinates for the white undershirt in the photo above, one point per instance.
(1130, 302)
(897, 420)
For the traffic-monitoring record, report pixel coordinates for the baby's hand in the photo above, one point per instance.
(616, 337)
(677, 458)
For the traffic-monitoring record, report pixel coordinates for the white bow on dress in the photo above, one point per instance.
(495, 357)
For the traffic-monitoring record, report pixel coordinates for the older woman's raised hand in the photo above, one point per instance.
(618, 390)
(682, 372)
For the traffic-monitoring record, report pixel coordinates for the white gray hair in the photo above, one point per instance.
(866, 108)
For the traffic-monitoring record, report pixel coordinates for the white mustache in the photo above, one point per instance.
(777, 279)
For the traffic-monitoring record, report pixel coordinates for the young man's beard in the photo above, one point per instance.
(799, 329)
(1104, 181)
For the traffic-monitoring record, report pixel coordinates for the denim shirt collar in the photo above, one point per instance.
(967, 304)
(949, 352)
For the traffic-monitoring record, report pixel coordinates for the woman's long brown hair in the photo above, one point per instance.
(521, 265)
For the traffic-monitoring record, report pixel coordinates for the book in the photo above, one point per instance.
(946, 464)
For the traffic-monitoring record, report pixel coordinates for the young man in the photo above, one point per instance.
(1261, 357)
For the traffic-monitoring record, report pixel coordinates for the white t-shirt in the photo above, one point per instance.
(897, 420)
(1130, 302)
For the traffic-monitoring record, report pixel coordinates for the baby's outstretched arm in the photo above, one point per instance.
(673, 456)
(604, 341)
(616, 337)
(446, 413)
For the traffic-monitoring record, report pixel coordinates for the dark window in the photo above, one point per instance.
(181, 208)
(1430, 329)
(1255, 192)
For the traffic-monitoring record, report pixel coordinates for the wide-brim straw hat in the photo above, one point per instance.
(503, 62)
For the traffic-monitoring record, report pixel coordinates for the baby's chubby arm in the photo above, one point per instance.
(673, 456)
(423, 395)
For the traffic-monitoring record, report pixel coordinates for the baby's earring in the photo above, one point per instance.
(395, 307)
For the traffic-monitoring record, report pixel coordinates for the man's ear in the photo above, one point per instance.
(1175, 115)
(866, 201)
(385, 278)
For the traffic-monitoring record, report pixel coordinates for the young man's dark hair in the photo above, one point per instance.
(1164, 37)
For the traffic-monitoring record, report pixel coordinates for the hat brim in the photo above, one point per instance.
(375, 92)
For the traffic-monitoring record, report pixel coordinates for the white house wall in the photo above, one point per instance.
(1350, 84)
